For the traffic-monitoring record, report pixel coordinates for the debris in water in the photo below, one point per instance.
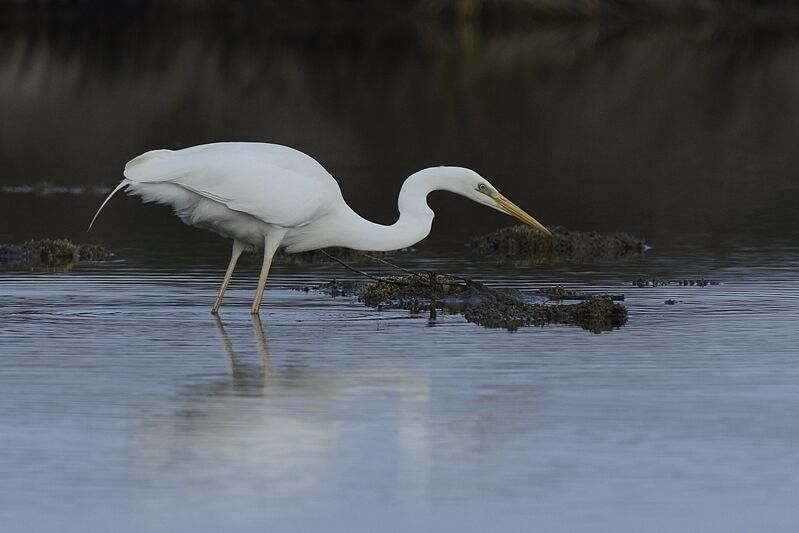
(522, 243)
(492, 308)
(409, 292)
(561, 293)
(47, 188)
(596, 314)
(489, 307)
(338, 288)
(701, 282)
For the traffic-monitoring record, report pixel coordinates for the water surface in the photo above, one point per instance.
(126, 404)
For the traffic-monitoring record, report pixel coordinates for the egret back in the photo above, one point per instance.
(275, 184)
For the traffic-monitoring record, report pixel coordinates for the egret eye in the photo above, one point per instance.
(482, 187)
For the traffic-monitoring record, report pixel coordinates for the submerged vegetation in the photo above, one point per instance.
(50, 253)
(522, 243)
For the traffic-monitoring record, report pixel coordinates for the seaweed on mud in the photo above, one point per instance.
(489, 307)
(522, 243)
(596, 314)
(50, 253)
(414, 292)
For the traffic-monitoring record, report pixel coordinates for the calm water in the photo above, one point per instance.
(125, 406)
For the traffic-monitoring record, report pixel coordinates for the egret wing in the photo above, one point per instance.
(274, 183)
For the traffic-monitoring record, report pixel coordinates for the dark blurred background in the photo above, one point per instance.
(675, 120)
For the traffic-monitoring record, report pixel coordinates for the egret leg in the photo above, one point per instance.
(271, 243)
(238, 247)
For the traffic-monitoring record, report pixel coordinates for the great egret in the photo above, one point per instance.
(269, 195)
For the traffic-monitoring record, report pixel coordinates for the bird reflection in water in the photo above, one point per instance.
(296, 425)
(233, 424)
(247, 377)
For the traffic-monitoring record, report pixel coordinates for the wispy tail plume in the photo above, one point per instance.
(122, 184)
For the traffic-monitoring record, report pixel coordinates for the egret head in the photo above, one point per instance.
(477, 188)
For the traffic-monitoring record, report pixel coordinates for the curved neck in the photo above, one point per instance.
(350, 230)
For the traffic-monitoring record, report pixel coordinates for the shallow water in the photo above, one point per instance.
(125, 406)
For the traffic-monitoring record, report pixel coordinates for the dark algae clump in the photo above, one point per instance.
(596, 314)
(489, 307)
(50, 253)
(557, 292)
(522, 243)
(409, 292)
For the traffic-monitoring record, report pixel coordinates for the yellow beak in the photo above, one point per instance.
(508, 207)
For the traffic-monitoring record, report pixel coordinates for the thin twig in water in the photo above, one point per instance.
(389, 263)
(467, 281)
(353, 269)
(427, 279)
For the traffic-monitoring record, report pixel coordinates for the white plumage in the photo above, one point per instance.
(268, 196)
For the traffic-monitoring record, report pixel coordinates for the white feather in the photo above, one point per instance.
(269, 195)
(276, 184)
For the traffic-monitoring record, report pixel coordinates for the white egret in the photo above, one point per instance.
(268, 196)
